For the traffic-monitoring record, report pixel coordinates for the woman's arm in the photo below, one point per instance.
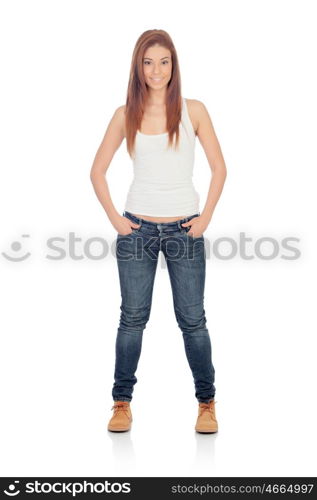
(111, 141)
(208, 139)
(211, 146)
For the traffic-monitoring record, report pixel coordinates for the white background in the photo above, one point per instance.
(65, 67)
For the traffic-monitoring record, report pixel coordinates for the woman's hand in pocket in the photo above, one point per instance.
(124, 226)
(197, 226)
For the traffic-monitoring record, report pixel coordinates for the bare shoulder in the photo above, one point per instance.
(119, 114)
(121, 109)
(200, 116)
(115, 132)
(197, 112)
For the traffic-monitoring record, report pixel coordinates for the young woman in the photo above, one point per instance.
(161, 213)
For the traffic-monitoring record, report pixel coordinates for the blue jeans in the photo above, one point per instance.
(137, 257)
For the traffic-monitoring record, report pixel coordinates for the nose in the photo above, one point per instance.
(156, 70)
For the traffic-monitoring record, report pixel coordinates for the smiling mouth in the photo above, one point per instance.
(157, 79)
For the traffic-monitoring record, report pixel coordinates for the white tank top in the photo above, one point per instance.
(162, 185)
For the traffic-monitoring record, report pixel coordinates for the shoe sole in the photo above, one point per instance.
(118, 430)
(206, 432)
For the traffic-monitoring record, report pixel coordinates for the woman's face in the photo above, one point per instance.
(157, 66)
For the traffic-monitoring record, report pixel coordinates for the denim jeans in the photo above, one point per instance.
(137, 257)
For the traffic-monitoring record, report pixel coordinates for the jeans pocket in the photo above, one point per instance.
(186, 233)
(134, 231)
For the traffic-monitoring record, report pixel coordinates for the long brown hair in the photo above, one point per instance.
(137, 94)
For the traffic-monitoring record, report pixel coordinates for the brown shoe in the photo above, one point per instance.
(206, 420)
(122, 417)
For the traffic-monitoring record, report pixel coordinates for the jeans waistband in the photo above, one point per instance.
(168, 226)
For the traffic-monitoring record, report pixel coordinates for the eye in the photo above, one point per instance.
(165, 62)
(147, 62)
